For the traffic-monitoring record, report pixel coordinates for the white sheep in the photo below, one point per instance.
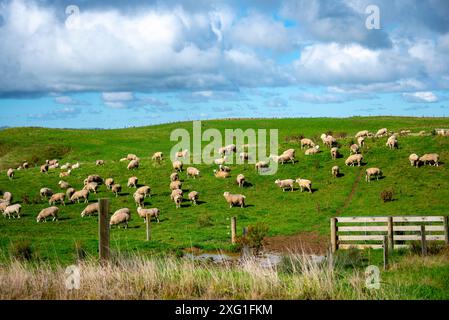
(139, 199)
(7, 196)
(132, 182)
(261, 164)
(44, 168)
(376, 172)
(430, 158)
(4, 205)
(354, 158)
(174, 176)
(307, 143)
(45, 192)
(220, 160)
(64, 184)
(193, 196)
(64, 166)
(335, 171)
(177, 165)
(193, 172)
(178, 200)
(145, 190)
(304, 184)
(47, 212)
(240, 180)
(285, 184)
(334, 153)
(181, 154)
(109, 182)
(234, 199)
(175, 185)
(91, 186)
(65, 174)
(328, 140)
(120, 216)
(244, 156)
(176, 192)
(99, 163)
(151, 213)
(392, 142)
(361, 141)
(157, 156)
(82, 194)
(381, 132)
(76, 166)
(57, 197)
(116, 189)
(10, 173)
(13, 210)
(69, 192)
(354, 149)
(90, 209)
(224, 168)
(131, 157)
(93, 178)
(414, 160)
(221, 174)
(133, 164)
(363, 133)
(313, 150)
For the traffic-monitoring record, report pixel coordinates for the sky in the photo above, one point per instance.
(115, 64)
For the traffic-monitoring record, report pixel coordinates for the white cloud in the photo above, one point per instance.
(422, 96)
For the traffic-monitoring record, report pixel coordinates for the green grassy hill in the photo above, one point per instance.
(422, 191)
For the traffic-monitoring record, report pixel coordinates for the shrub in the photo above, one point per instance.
(387, 195)
(254, 237)
(21, 250)
(351, 258)
(433, 248)
(205, 220)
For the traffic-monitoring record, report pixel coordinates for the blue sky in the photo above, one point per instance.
(146, 62)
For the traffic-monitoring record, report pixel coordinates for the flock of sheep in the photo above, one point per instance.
(123, 215)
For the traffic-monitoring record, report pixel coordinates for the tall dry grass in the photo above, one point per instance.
(175, 278)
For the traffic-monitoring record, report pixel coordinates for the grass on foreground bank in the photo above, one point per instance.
(296, 277)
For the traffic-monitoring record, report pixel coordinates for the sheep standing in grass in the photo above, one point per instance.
(372, 172)
(150, 213)
(234, 199)
(361, 141)
(63, 184)
(57, 197)
(392, 142)
(145, 190)
(133, 164)
(381, 132)
(174, 176)
(63, 167)
(307, 143)
(45, 192)
(334, 153)
(44, 168)
(224, 168)
(109, 182)
(335, 171)
(82, 194)
(139, 199)
(244, 156)
(363, 133)
(4, 205)
(69, 192)
(90, 209)
(65, 174)
(313, 150)
(177, 199)
(7, 197)
(328, 140)
(116, 189)
(99, 163)
(354, 149)
(221, 174)
(10, 173)
(13, 210)
(175, 185)
(181, 154)
(91, 186)
(285, 184)
(193, 196)
(430, 158)
(132, 182)
(176, 192)
(121, 216)
(157, 156)
(48, 212)
(351, 160)
(240, 180)
(131, 156)
(220, 160)
(193, 172)
(261, 164)
(304, 184)
(93, 178)
(414, 160)
(177, 165)
(284, 158)
(76, 166)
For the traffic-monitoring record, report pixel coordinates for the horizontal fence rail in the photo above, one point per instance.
(369, 232)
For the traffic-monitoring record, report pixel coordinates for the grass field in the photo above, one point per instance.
(418, 191)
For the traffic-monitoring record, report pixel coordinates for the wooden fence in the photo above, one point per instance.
(369, 232)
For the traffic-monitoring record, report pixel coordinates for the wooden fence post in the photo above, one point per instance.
(147, 222)
(103, 230)
(446, 230)
(423, 241)
(390, 234)
(233, 229)
(334, 240)
(385, 247)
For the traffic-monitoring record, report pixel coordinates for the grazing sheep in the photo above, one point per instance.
(363, 133)
(361, 141)
(13, 210)
(392, 142)
(313, 150)
(261, 164)
(244, 156)
(234, 199)
(53, 166)
(47, 212)
(285, 184)
(334, 153)
(65, 166)
(90, 209)
(381, 132)
(3, 206)
(220, 160)
(405, 132)
(224, 168)
(52, 162)
(65, 174)
(193, 196)
(304, 184)
(7, 196)
(44, 168)
(57, 197)
(335, 171)
(91, 186)
(46, 192)
(178, 200)
(116, 188)
(307, 143)
(174, 176)
(221, 174)
(193, 172)
(131, 157)
(157, 156)
(93, 178)
(414, 160)
(354, 158)
(99, 163)
(132, 182)
(133, 164)
(175, 185)
(181, 154)
(151, 213)
(120, 216)
(10, 173)
(76, 166)
(64, 185)
(430, 158)
(69, 192)
(376, 172)
(109, 182)
(25, 165)
(175, 193)
(123, 159)
(285, 157)
(145, 190)
(422, 133)
(82, 194)
(139, 199)
(354, 149)
(240, 180)
(177, 165)
(328, 140)
(228, 149)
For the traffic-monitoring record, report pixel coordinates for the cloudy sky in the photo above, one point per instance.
(84, 64)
